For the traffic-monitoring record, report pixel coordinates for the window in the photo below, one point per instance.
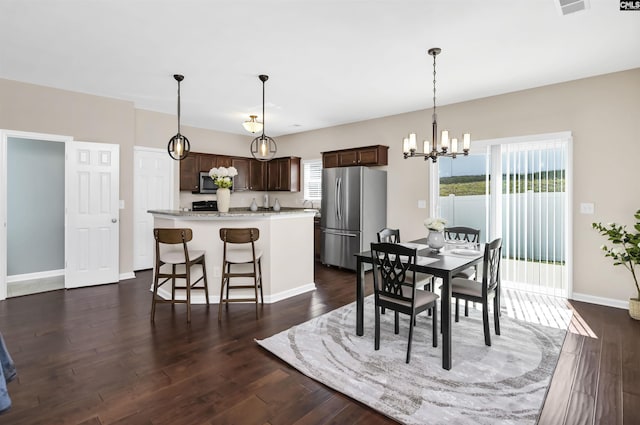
(312, 179)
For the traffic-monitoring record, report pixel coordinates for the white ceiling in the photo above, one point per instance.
(329, 61)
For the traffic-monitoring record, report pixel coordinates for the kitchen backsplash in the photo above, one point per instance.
(244, 198)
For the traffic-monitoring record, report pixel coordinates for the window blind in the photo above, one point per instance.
(312, 179)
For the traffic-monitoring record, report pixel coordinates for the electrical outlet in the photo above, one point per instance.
(422, 204)
(587, 208)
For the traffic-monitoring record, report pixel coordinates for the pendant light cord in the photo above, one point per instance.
(263, 120)
(178, 106)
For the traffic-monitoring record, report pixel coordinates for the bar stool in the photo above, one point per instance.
(174, 257)
(234, 254)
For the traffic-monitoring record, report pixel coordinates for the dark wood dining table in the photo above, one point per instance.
(440, 264)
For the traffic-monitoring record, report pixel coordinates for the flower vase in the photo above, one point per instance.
(224, 199)
(435, 240)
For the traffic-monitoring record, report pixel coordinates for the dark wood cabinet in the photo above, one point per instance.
(366, 155)
(189, 177)
(241, 181)
(316, 238)
(284, 174)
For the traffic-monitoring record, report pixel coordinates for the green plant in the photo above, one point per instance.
(625, 248)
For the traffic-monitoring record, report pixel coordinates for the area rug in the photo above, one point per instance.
(502, 384)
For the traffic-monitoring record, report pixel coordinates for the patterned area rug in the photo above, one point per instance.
(502, 384)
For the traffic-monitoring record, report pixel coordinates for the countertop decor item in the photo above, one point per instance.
(435, 238)
(224, 199)
(409, 147)
(179, 145)
(625, 251)
(263, 147)
(253, 206)
(276, 205)
(222, 177)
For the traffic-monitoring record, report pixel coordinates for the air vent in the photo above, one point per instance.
(571, 6)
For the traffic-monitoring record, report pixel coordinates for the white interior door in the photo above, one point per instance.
(92, 214)
(153, 190)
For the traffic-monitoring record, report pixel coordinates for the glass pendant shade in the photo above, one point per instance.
(263, 147)
(252, 126)
(179, 145)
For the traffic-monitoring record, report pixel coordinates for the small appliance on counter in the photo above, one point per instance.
(204, 206)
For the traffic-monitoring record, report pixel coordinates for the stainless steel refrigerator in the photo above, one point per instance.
(354, 209)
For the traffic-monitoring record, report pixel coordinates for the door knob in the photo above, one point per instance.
(114, 220)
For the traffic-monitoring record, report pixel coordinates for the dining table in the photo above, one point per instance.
(443, 263)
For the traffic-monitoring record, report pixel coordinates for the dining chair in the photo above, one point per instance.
(395, 289)
(240, 249)
(485, 291)
(469, 235)
(180, 261)
(393, 236)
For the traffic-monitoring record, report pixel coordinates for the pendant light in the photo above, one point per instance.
(263, 148)
(179, 145)
(435, 149)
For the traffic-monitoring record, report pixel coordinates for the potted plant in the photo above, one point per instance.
(625, 251)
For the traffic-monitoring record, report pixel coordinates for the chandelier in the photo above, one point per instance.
(252, 126)
(263, 148)
(179, 145)
(434, 149)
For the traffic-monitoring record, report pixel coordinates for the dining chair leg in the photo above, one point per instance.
(466, 308)
(410, 337)
(153, 299)
(377, 331)
(188, 289)
(260, 271)
(397, 322)
(221, 297)
(496, 314)
(204, 279)
(485, 322)
(457, 318)
(255, 288)
(435, 324)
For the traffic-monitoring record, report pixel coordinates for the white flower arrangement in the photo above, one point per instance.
(436, 224)
(222, 176)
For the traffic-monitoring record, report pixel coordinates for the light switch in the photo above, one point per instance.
(422, 204)
(121, 204)
(587, 208)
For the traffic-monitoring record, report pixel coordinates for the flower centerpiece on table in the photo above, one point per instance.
(222, 176)
(436, 224)
(625, 251)
(435, 238)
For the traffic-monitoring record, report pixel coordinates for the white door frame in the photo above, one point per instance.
(4, 136)
(137, 196)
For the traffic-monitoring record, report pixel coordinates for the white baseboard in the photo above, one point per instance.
(37, 275)
(199, 298)
(128, 275)
(609, 302)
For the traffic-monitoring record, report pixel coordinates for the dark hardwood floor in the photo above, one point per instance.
(91, 356)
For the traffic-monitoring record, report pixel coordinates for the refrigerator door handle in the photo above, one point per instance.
(351, 235)
(339, 196)
(335, 198)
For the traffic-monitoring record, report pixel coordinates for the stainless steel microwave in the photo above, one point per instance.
(207, 185)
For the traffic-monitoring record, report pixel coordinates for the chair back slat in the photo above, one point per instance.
(389, 235)
(239, 235)
(172, 236)
(462, 233)
(491, 265)
(392, 263)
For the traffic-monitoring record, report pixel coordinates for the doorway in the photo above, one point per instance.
(518, 189)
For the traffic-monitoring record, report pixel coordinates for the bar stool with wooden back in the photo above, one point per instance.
(180, 261)
(240, 248)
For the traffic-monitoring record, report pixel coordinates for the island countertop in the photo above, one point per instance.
(236, 213)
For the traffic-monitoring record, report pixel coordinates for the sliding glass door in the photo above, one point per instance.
(517, 189)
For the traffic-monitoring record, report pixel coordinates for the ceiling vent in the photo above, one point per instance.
(571, 6)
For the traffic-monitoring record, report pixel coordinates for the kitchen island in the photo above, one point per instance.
(286, 240)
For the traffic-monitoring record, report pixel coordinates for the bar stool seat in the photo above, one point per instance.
(180, 262)
(240, 249)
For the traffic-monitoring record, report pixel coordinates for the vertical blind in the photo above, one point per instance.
(312, 179)
(534, 206)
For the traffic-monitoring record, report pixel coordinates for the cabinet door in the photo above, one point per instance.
(207, 161)
(330, 160)
(367, 156)
(189, 177)
(224, 161)
(257, 175)
(273, 174)
(241, 181)
(347, 158)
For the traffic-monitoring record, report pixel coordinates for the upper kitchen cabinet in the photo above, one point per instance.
(207, 161)
(257, 175)
(189, 169)
(284, 174)
(366, 155)
(241, 181)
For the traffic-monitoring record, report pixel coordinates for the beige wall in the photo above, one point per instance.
(601, 112)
